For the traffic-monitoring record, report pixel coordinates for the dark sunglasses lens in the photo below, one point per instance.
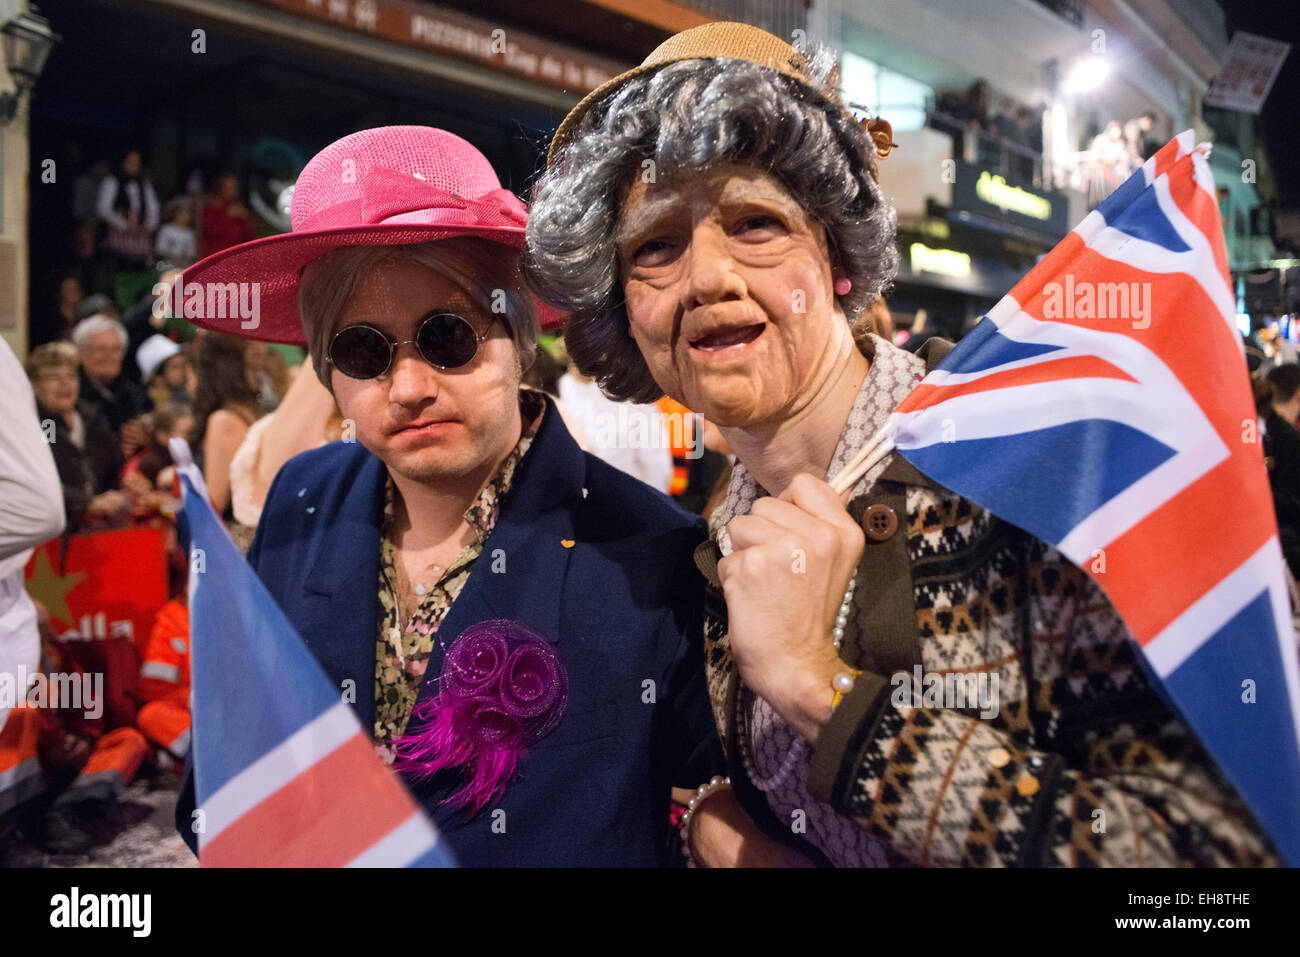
(360, 352)
(447, 340)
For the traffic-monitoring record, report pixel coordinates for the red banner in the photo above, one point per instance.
(111, 585)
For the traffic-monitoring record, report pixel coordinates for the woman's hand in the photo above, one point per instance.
(136, 486)
(723, 835)
(109, 504)
(133, 437)
(784, 580)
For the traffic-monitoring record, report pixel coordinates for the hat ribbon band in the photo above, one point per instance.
(388, 197)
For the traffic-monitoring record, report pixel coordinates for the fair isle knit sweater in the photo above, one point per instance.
(1083, 764)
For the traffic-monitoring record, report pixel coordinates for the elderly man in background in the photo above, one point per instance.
(101, 348)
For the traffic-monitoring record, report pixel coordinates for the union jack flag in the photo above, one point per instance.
(1103, 405)
(284, 774)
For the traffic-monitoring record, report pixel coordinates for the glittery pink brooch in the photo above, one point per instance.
(502, 689)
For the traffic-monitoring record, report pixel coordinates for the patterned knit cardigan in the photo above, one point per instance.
(1084, 765)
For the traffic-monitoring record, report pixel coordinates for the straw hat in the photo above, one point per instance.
(722, 40)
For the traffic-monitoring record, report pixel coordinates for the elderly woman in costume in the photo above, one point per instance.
(713, 223)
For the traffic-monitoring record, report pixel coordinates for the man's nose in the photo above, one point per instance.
(710, 271)
(412, 379)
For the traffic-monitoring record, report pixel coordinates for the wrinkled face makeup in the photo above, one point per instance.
(427, 423)
(727, 282)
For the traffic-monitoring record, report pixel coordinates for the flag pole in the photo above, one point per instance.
(861, 463)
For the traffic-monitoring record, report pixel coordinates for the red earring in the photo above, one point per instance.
(843, 286)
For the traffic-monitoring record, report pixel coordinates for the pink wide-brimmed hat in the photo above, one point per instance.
(389, 186)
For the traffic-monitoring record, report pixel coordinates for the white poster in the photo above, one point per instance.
(1252, 64)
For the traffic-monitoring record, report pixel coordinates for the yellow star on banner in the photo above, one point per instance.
(51, 590)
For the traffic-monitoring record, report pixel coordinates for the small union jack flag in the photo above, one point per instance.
(284, 774)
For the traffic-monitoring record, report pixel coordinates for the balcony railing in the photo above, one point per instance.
(1018, 163)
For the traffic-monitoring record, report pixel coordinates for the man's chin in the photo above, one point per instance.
(430, 465)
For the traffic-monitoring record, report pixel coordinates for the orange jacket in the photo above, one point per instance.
(681, 428)
(165, 674)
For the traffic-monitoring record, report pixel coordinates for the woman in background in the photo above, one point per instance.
(87, 456)
(225, 405)
(306, 419)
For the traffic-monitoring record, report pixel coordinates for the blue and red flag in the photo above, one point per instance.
(284, 774)
(1104, 406)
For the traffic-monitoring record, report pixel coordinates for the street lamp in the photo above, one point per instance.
(1087, 74)
(28, 41)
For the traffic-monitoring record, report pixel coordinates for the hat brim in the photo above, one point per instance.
(569, 125)
(275, 263)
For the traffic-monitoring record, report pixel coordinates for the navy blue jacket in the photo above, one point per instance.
(622, 602)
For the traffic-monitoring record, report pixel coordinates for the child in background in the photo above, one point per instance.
(150, 470)
(165, 370)
(175, 241)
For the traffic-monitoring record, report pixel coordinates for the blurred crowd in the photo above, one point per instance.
(1115, 154)
(1008, 120)
(118, 239)
(115, 377)
(1274, 362)
(1008, 137)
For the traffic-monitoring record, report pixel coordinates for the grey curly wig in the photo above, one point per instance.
(685, 117)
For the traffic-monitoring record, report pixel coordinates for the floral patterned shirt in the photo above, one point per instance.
(402, 655)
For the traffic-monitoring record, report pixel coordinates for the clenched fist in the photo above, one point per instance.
(792, 557)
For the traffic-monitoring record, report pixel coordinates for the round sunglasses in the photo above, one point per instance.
(444, 339)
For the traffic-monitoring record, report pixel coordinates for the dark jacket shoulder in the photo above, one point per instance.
(630, 503)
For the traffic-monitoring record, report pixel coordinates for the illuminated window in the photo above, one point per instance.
(898, 98)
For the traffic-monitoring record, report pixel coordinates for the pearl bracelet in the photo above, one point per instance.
(684, 825)
(842, 616)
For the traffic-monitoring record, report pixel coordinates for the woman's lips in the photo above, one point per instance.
(728, 337)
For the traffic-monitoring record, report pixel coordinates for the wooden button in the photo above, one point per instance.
(999, 757)
(880, 522)
(1027, 785)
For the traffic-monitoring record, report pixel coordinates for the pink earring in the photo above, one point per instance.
(843, 286)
